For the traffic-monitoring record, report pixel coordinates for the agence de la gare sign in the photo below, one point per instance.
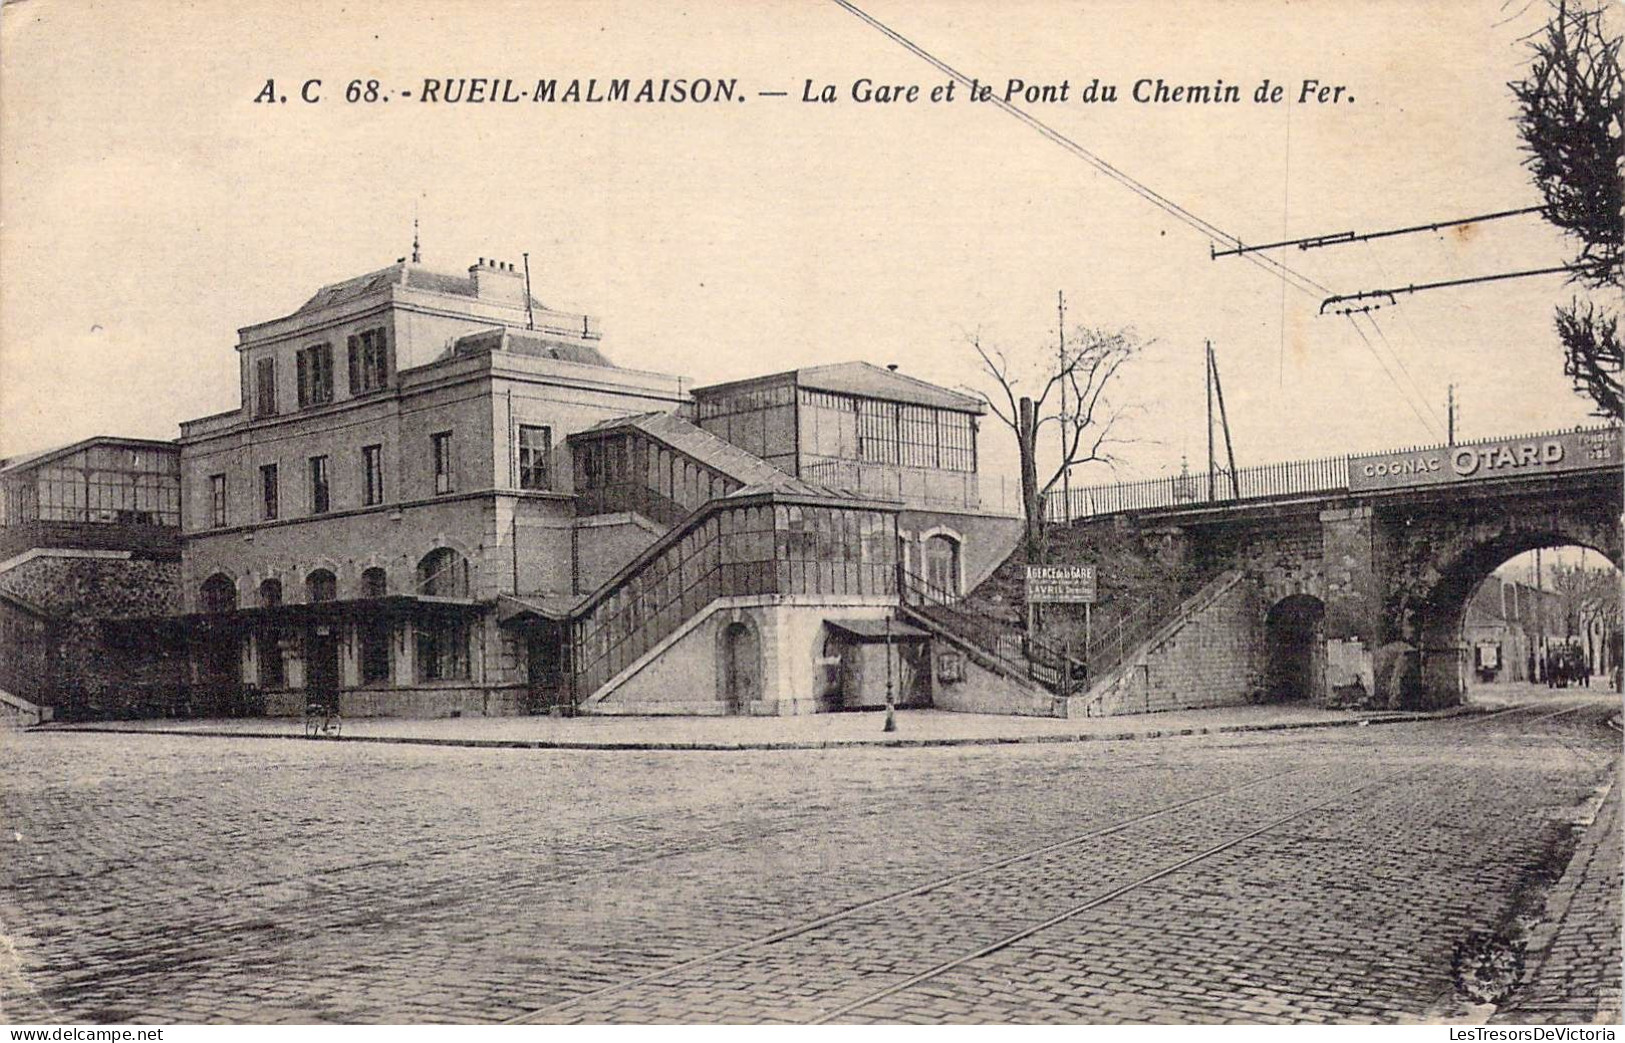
(1579, 450)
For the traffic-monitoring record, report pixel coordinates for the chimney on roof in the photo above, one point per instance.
(498, 282)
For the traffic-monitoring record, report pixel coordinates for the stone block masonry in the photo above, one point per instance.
(86, 673)
(1211, 657)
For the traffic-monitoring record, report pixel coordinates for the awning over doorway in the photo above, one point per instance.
(516, 611)
(871, 631)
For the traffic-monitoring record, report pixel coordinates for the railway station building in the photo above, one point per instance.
(438, 496)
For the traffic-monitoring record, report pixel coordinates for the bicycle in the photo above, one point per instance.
(322, 719)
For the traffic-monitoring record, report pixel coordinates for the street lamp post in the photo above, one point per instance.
(891, 708)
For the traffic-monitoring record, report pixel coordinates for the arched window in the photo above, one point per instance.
(443, 573)
(941, 554)
(374, 583)
(321, 585)
(219, 593)
(271, 593)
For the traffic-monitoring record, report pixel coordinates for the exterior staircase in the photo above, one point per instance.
(997, 647)
(1115, 653)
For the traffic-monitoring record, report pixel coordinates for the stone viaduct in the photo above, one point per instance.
(1350, 594)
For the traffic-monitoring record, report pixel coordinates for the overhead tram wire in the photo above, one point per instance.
(1415, 393)
(1432, 429)
(1313, 242)
(1393, 292)
(1400, 359)
(1300, 282)
(1410, 327)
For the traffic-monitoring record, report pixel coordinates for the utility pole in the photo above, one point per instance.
(1066, 471)
(1224, 421)
(1207, 374)
(1450, 416)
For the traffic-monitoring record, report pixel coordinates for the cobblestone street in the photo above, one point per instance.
(1322, 875)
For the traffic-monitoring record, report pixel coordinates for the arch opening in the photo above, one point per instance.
(218, 594)
(374, 582)
(940, 555)
(1548, 617)
(739, 677)
(1295, 642)
(443, 573)
(1540, 611)
(321, 585)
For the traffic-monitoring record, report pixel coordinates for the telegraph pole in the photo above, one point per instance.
(1066, 471)
(1207, 375)
(1450, 416)
(1224, 420)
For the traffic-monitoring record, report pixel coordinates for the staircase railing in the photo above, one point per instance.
(1009, 648)
(1113, 639)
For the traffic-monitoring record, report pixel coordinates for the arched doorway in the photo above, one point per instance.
(217, 650)
(739, 679)
(1295, 637)
(322, 643)
(941, 559)
(373, 632)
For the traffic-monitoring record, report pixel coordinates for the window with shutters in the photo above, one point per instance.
(440, 443)
(372, 473)
(265, 387)
(319, 500)
(315, 365)
(217, 501)
(369, 361)
(268, 492)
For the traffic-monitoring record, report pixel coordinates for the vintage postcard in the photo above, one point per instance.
(810, 512)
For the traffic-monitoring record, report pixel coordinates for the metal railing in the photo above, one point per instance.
(1120, 634)
(1295, 477)
(1329, 474)
(1011, 649)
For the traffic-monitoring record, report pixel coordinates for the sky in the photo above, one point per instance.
(149, 207)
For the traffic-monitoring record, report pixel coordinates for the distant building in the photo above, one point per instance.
(1510, 628)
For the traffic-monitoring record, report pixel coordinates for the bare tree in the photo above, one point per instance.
(1584, 595)
(1571, 105)
(1080, 374)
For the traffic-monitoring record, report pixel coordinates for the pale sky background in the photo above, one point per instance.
(148, 208)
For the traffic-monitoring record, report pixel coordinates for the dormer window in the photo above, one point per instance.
(369, 361)
(315, 375)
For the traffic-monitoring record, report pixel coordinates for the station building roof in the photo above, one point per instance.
(860, 379)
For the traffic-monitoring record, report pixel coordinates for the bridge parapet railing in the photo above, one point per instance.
(1294, 477)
